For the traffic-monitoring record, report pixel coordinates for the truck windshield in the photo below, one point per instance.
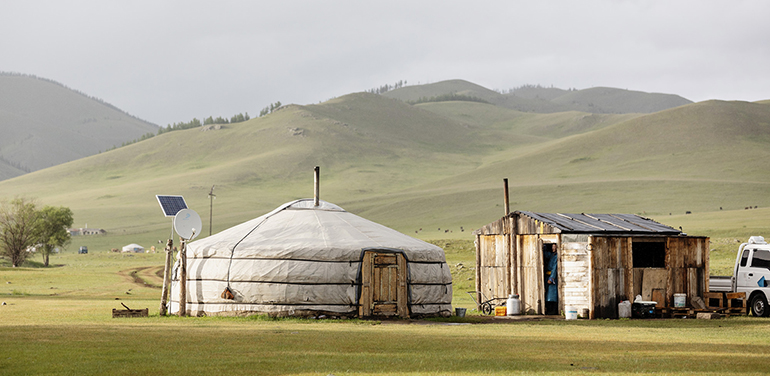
(761, 259)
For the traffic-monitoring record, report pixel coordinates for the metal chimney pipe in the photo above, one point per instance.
(317, 173)
(505, 189)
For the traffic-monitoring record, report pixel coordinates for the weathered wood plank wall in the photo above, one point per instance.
(575, 272)
(610, 257)
(596, 271)
(687, 260)
(493, 252)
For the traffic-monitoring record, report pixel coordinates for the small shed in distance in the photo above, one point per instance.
(602, 260)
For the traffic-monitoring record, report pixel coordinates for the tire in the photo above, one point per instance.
(486, 308)
(759, 306)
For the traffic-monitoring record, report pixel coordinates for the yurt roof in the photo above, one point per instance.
(299, 230)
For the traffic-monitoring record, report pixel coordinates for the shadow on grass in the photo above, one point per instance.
(301, 349)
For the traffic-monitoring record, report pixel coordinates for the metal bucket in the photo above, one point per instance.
(460, 312)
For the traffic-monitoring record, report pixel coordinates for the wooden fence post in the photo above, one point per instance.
(182, 278)
(166, 278)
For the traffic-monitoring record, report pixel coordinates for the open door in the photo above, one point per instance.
(383, 285)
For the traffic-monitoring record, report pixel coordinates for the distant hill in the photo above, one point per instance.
(606, 100)
(423, 169)
(44, 123)
(538, 99)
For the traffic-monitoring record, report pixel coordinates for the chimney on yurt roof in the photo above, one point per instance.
(317, 173)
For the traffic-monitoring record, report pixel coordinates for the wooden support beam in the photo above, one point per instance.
(182, 278)
(166, 278)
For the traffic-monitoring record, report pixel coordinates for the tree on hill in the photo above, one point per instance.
(386, 88)
(52, 228)
(18, 229)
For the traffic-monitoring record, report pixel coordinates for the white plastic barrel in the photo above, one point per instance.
(513, 305)
(571, 313)
(680, 300)
(624, 309)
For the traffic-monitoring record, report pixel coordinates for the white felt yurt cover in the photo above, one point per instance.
(300, 258)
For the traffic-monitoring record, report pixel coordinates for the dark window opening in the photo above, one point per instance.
(649, 254)
(745, 257)
(761, 259)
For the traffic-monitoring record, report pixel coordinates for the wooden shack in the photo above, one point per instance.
(603, 259)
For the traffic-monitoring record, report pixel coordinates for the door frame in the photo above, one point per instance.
(364, 291)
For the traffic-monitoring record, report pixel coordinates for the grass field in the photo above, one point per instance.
(299, 347)
(58, 321)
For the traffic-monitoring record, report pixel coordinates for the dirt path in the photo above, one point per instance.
(147, 276)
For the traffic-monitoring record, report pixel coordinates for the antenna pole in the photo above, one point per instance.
(316, 194)
(211, 208)
(505, 193)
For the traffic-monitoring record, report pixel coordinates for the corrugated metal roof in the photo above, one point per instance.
(602, 223)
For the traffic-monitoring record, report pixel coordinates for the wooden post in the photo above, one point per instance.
(182, 278)
(478, 272)
(365, 300)
(316, 192)
(403, 288)
(212, 196)
(166, 278)
(505, 192)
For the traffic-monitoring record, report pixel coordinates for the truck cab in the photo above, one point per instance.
(752, 274)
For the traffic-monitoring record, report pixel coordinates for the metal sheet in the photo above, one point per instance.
(602, 223)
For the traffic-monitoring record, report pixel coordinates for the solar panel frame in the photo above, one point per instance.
(171, 204)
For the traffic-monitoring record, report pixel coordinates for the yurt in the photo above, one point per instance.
(312, 258)
(133, 248)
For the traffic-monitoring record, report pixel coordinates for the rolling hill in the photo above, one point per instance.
(43, 124)
(598, 100)
(424, 169)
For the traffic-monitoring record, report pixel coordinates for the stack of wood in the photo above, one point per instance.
(128, 312)
(712, 305)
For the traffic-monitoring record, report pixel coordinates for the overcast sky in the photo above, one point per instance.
(170, 61)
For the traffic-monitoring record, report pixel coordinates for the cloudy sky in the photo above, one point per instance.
(170, 61)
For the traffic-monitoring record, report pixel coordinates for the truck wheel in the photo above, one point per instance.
(759, 306)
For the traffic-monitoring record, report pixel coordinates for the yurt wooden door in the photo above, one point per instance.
(383, 285)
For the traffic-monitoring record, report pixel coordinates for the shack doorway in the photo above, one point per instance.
(383, 285)
(550, 278)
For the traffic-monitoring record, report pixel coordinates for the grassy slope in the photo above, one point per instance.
(435, 167)
(611, 100)
(695, 158)
(40, 115)
(549, 100)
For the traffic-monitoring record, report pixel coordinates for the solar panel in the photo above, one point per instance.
(171, 204)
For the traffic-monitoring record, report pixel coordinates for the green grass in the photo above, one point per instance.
(58, 321)
(48, 343)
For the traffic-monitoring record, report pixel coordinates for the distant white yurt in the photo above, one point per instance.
(133, 248)
(303, 260)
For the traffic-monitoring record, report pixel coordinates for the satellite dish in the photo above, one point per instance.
(187, 224)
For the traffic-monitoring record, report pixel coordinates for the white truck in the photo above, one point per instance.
(750, 275)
